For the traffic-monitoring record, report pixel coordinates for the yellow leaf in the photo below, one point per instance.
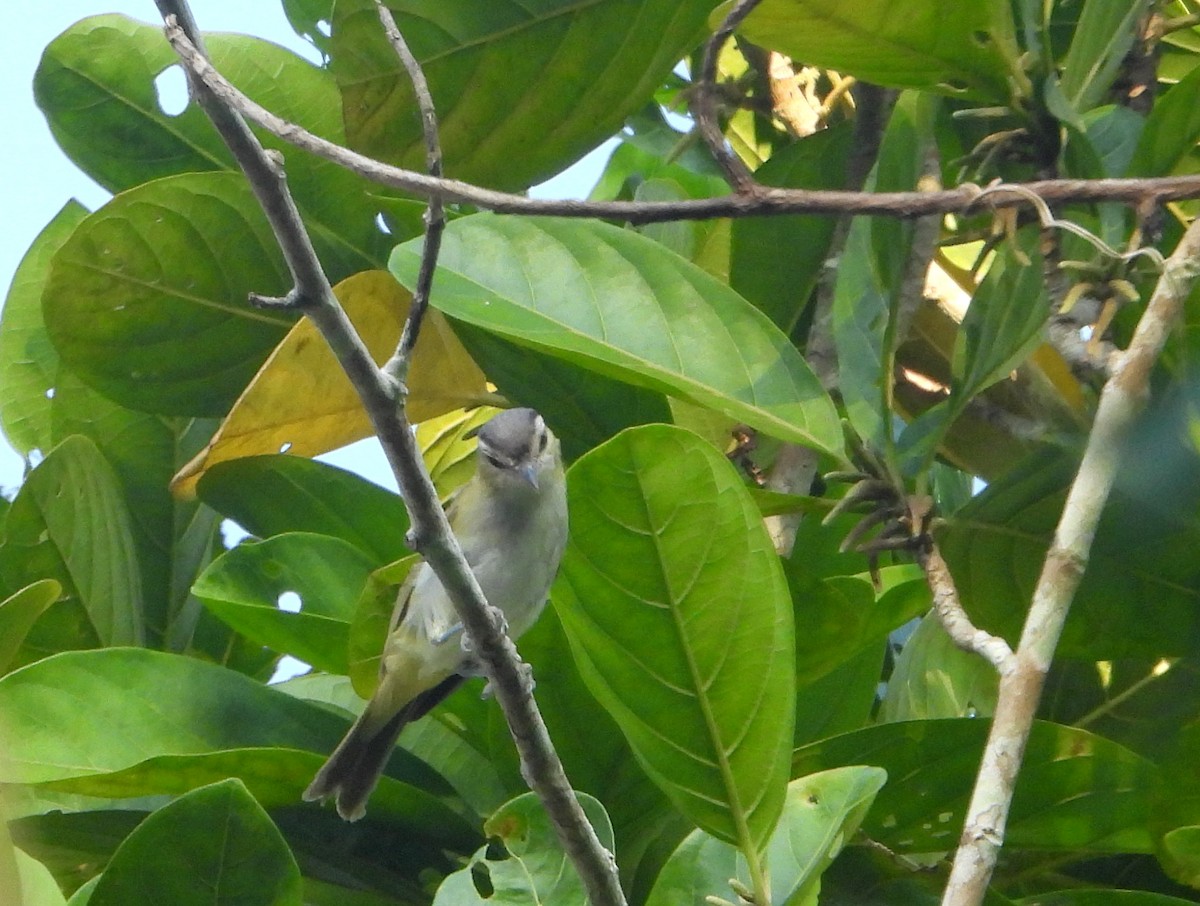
(301, 402)
(449, 454)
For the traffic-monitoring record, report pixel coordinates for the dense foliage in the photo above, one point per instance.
(716, 704)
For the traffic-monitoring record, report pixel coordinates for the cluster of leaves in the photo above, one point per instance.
(716, 705)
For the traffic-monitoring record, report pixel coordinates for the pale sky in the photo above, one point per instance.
(40, 178)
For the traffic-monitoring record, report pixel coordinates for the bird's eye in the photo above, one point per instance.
(496, 463)
(542, 442)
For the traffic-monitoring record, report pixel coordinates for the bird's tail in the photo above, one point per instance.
(354, 768)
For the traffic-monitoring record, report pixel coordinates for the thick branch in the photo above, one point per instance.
(383, 402)
(1123, 398)
(763, 202)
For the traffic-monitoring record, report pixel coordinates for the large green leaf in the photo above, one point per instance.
(535, 869)
(1144, 551)
(70, 523)
(521, 89)
(620, 304)
(147, 299)
(245, 587)
(1075, 790)
(775, 261)
(28, 362)
(96, 84)
(270, 495)
(144, 705)
(214, 846)
(678, 616)
(962, 49)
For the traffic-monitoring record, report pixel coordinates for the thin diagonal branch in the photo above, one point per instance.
(704, 105)
(1124, 396)
(763, 202)
(954, 619)
(435, 215)
(383, 400)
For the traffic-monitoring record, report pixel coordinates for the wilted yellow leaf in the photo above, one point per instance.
(301, 402)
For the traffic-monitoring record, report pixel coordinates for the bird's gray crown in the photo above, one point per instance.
(511, 433)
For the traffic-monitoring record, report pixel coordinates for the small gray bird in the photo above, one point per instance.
(511, 521)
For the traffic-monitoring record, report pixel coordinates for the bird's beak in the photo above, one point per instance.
(529, 473)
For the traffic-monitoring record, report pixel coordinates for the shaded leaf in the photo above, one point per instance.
(370, 620)
(1075, 790)
(935, 678)
(214, 846)
(301, 402)
(28, 362)
(1171, 131)
(1103, 36)
(246, 586)
(271, 495)
(69, 523)
(677, 613)
(19, 612)
(500, 71)
(619, 304)
(775, 261)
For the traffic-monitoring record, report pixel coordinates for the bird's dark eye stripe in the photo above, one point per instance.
(494, 461)
(542, 441)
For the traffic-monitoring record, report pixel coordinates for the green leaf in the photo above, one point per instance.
(820, 814)
(174, 539)
(148, 705)
(307, 18)
(214, 846)
(583, 408)
(147, 299)
(1003, 323)
(965, 50)
(270, 495)
(96, 84)
(842, 699)
(775, 261)
(244, 588)
(535, 870)
(1101, 897)
(19, 612)
(1143, 551)
(935, 678)
(871, 277)
(619, 304)
(1075, 790)
(1103, 36)
(28, 362)
(370, 621)
(1171, 131)
(69, 523)
(500, 72)
(678, 616)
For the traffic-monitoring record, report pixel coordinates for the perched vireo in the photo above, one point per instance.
(511, 521)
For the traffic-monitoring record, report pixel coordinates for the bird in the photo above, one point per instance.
(511, 523)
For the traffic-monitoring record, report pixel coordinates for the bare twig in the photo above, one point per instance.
(704, 107)
(435, 215)
(954, 619)
(383, 401)
(764, 202)
(1123, 398)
